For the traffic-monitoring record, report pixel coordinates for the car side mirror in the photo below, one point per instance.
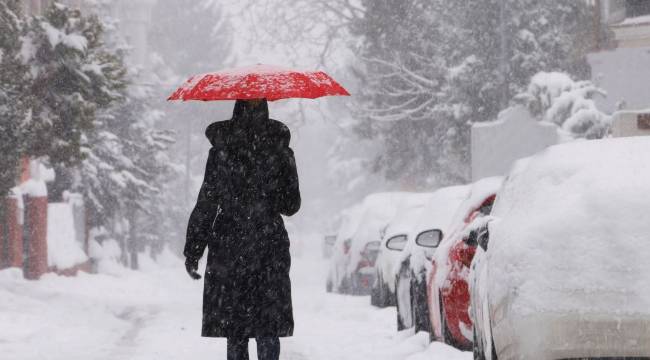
(397, 243)
(429, 239)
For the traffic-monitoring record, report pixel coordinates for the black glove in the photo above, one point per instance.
(192, 267)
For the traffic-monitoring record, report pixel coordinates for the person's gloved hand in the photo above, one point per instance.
(192, 267)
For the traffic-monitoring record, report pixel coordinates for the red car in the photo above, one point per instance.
(447, 287)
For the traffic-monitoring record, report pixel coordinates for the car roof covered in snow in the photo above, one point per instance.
(573, 217)
(436, 214)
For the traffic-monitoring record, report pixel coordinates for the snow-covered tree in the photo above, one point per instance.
(557, 98)
(64, 85)
(13, 99)
(403, 74)
(126, 163)
(432, 68)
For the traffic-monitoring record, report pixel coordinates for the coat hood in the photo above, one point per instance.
(245, 122)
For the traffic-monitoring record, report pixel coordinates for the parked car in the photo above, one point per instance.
(397, 232)
(328, 245)
(410, 273)
(340, 259)
(357, 245)
(562, 269)
(446, 289)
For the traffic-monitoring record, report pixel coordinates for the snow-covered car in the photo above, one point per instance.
(357, 244)
(397, 232)
(562, 271)
(410, 272)
(447, 290)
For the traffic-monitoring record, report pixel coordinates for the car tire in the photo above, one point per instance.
(419, 306)
(447, 337)
(345, 286)
(328, 286)
(400, 322)
(477, 348)
(494, 351)
(379, 294)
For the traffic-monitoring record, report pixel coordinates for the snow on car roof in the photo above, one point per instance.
(437, 213)
(572, 219)
(407, 215)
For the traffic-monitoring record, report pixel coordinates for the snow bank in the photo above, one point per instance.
(63, 250)
(570, 233)
(442, 351)
(97, 316)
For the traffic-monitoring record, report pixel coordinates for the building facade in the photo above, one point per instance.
(623, 69)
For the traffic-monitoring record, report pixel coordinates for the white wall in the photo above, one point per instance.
(623, 73)
(497, 145)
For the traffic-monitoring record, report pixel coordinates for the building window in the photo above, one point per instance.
(636, 8)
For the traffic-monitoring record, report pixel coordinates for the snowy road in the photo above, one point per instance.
(155, 314)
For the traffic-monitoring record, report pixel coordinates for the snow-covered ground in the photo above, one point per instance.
(155, 314)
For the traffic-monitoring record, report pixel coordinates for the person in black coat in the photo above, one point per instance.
(250, 180)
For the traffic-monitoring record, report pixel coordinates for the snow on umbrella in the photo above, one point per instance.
(259, 82)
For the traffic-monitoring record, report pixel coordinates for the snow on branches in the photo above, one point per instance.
(556, 98)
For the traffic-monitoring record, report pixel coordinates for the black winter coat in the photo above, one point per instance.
(250, 180)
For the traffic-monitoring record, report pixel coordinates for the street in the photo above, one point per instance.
(156, 314)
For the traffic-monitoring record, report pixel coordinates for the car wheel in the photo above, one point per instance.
(477, 348)
(375, 293)
(379, 294)
(347, 285)
(400, 322)
(447, 337)
(419, 306)
(494, 351)
(354, 284)
(328, 286)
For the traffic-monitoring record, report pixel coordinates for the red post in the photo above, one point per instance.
(4, 261)
(11, 236)
(36, 218)
(14, 234)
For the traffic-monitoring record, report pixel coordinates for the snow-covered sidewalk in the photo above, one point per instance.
(155, 314)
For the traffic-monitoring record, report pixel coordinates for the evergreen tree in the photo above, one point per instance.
(13, 98)
(126, 164)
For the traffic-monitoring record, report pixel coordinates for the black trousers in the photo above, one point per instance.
(267, 349)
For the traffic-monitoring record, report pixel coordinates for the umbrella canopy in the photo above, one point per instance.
(259, 82)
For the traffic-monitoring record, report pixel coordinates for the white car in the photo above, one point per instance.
(397, 232)
(410, 273)
(357, 245)
(562, 271)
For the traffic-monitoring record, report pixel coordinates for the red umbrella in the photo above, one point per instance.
(259, 82)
